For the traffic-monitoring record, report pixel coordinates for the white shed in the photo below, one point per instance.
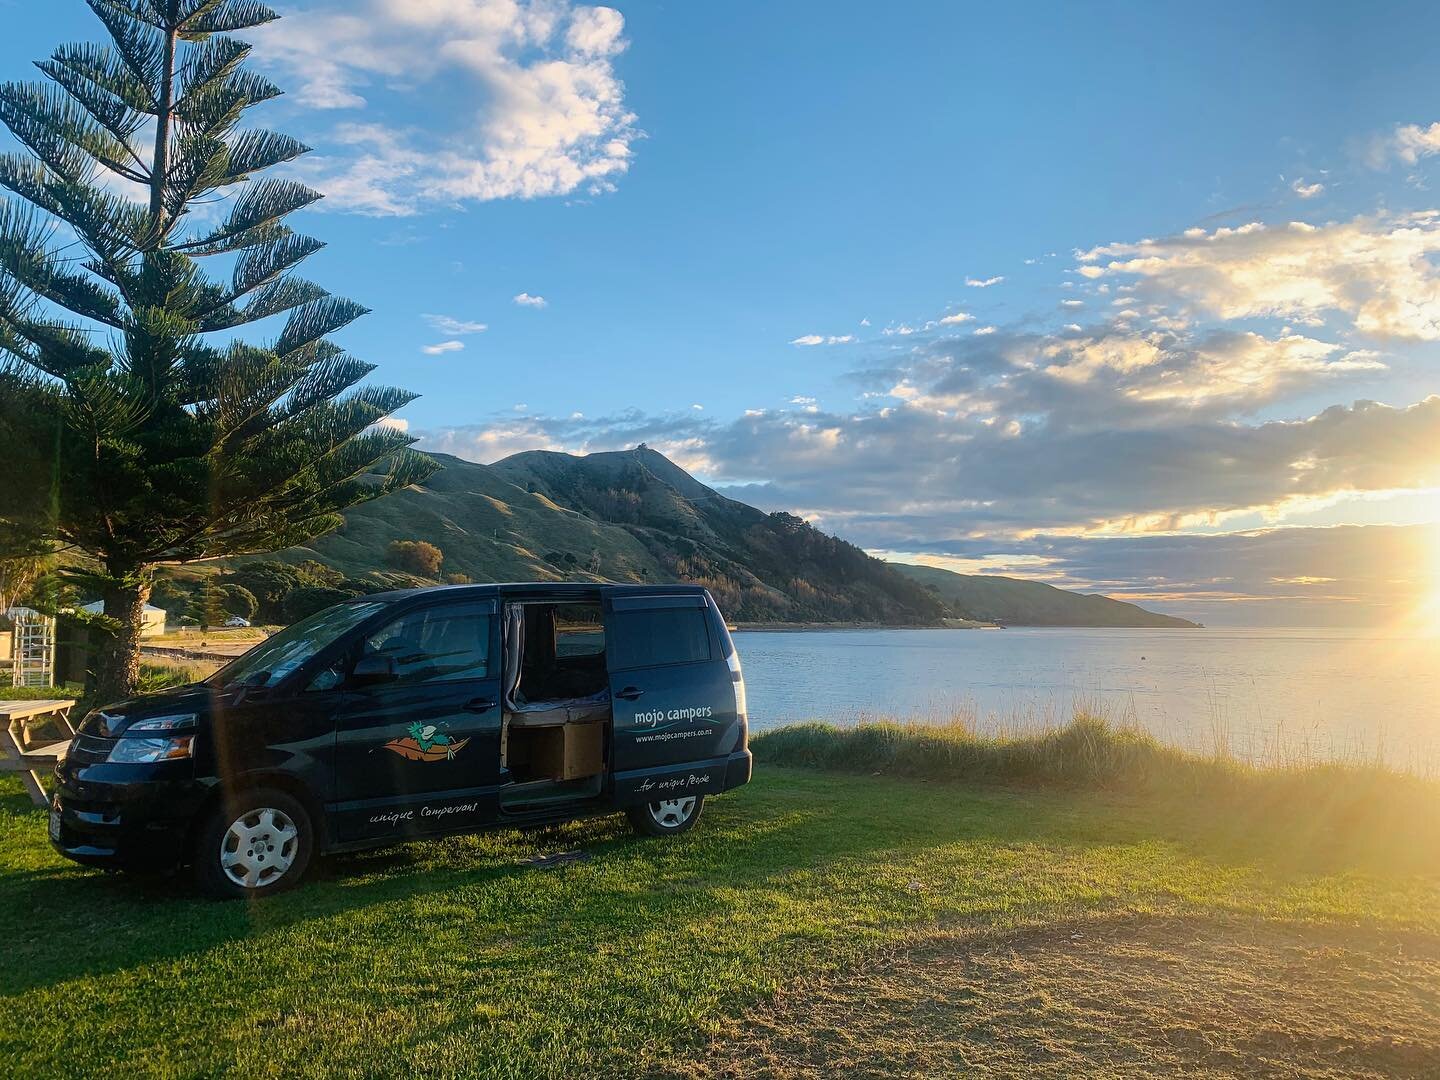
(154, 618)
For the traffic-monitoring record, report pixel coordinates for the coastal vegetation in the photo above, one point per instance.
(1089, 750)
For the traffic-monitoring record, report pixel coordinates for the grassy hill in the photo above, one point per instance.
(489, 530)
(991, 598)
(636, 516)
(630, 516)
(759, 566)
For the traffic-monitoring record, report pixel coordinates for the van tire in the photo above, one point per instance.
(282, 836)
(670, 817)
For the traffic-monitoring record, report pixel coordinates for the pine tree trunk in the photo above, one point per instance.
(117, 656)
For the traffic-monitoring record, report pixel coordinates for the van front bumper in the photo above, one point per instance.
(124, 817)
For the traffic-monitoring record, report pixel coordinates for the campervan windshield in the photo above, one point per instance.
(278, 656)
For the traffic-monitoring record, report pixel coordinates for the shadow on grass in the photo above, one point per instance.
(745, 840)
(788, 823)
(17, 802)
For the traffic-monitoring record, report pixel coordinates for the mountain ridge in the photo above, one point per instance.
(633, 516)
(1022, 602)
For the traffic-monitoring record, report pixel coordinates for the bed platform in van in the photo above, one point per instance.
(557, 712)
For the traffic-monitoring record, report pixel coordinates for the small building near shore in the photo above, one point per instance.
(152, 622)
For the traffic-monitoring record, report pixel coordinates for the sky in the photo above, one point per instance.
(1131, 298)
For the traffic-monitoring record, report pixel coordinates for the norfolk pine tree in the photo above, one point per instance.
(135, 426)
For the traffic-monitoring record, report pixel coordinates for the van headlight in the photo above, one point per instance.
(130, 750)
(175, 722)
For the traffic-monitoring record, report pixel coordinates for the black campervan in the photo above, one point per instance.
(412, 714)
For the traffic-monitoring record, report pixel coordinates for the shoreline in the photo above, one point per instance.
(948, 624)
(797, 627)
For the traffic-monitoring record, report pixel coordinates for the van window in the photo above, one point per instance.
(438, 644)
(563, 651)
(280, 654)
(655, 638)
(579, 630)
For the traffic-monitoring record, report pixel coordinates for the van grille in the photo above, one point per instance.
(89, 749)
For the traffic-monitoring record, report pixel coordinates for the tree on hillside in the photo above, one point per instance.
(269, 583)
(238, 600)
(416, 557)
(173, 598)
(308, 599)
(144, 430)
(209, 606)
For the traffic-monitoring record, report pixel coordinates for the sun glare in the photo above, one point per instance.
(1428, 612)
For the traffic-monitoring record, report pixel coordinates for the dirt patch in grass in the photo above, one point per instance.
(1132, 997)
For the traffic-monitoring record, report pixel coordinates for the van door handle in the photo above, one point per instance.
(630, 693)
(479, 704)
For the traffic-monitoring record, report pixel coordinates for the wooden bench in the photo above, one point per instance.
(21, 752)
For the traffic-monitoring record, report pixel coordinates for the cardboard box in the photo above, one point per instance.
(568, 752)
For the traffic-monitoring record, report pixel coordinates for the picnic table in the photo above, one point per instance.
(22, 752)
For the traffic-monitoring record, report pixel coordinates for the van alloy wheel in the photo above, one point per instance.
(668, 817)
(255, 842)
(672, 813)
(259, 847)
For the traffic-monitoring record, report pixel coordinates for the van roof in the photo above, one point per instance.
(560, 589)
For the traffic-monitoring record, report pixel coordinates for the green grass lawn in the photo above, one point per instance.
(459, 958)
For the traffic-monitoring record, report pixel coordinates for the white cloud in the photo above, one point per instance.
(956, 319)
(984, 283)
(819, 339)
(393, 423)
(493, 441)
(533, 105)
(1304, 190)
(808, 339)
(1375, 271)
(446, 324)
(1411, 142)
(1072, 303)
(442, 347)
(596, 31)
(981, 331)
(1223, 367)
(524, 299)
(698, 407)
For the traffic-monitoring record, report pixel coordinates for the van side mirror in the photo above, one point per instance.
(370, 670)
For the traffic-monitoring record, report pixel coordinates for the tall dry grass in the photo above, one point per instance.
(161, 674)
(1342, 803)
(1087, 750)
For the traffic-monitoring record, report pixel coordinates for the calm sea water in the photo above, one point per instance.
(1263, 693)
